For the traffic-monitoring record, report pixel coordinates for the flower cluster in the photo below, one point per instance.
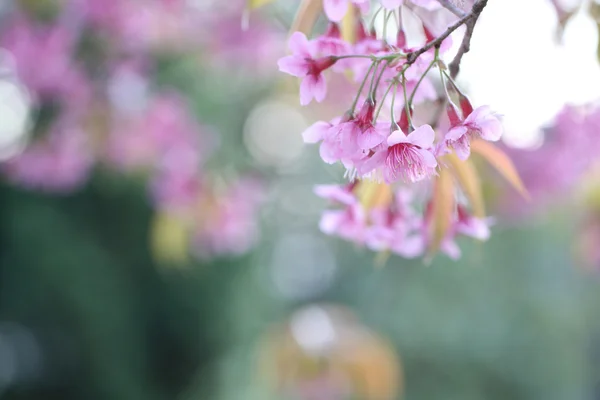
(97, 102)
(398, 134)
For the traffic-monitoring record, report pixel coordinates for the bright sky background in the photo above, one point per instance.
(516, 65)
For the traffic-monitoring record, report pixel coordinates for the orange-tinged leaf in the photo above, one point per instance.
(502, 162)
(348, 25)
(373, 194)
(467, 177)
(307, 15)
(443, 206)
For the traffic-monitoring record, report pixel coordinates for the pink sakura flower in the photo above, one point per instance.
(481, 123)
(337, 9)
(360, 133)
(304, 64)
(395, 228)
(406, 158)
(467, 225)
(350, 139)
(349, 222)
(332, 44)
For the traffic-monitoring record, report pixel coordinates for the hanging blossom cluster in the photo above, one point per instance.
(90, 72)
(403, 144)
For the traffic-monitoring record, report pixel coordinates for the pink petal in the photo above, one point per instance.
(293, 65)
(457, 132)
(451, 249)
(428, 158)
(423, 137)
(476, 228)
(335, 9)
(478, 114)
(299, 44)
(320, 88)
(307, 89)
(491, 129)
(363, 5)
(397, 137)
(370, 138)
(330, 221)
(410, 247)
(335, 193)
(371, 163)
(329, 153)
(316, 132)
(462, 148)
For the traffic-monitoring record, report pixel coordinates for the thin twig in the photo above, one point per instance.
(465, 46)
(472, 16)
(448, 5)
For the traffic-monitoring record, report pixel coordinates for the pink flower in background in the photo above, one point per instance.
(228, 220)
(396, 228)
(143, 140)
(336, 9)
(60, 162)
(466, 225)
(43, 59)
(304, 63)
(569, 151)
(481, 123)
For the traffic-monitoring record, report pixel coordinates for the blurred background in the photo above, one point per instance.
(159, 234)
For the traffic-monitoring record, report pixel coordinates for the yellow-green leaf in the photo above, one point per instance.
(252, 4)
(502, 162)
(443, 206)
(307, 16)
(169, 239)
(467, 177)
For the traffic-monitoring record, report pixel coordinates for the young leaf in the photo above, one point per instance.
(443, 205)
(499, 160)
(373, 194)
(349, 22)
(468, 179)
(307, 15)
(169, 239)
(252, 4)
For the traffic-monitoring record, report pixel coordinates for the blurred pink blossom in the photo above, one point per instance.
(59, 162)
(228, 220)
(43, 57)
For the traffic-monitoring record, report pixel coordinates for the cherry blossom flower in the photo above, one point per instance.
(304, 64)
(408, 158)
(481, 123)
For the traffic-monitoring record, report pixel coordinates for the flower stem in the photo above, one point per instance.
(360, 89)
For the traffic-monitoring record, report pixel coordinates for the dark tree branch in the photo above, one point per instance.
(465, 46)
(468, 19)
(448, 5)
